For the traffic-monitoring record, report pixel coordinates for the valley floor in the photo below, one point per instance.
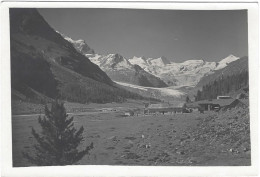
(25, 108)
(166, 140)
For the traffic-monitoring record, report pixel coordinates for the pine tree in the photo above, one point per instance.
(223, 85)
(188, 99)
(59, 140)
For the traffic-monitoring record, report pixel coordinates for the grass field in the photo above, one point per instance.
(144, 140)
(23, 108)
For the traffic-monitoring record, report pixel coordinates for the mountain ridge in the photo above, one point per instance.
(44, 63)
(120, 69)
(80, 45)
(187, 73)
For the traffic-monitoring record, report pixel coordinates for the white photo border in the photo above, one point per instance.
(106, 170)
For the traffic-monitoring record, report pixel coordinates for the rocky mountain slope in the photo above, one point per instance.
(44, 64)
(117, 67)
(120, 69)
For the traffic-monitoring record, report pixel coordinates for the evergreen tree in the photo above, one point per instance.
(223, 85)
(188, 99)
(59, 140)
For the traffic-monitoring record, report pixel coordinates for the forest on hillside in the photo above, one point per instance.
(223, 85)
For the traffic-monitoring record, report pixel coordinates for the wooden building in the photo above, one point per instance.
(165, 108)
(217, 104)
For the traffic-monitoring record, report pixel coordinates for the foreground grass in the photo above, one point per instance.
(181, 139)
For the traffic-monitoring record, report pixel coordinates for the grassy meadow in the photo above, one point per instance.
(162, 140)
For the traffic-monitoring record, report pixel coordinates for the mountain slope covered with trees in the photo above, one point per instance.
(223, 86)
(226, 81)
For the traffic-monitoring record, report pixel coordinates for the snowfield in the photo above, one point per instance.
(168, 91)
(224, 62)
(181, 74)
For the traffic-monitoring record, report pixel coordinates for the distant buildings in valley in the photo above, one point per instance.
(221, 103)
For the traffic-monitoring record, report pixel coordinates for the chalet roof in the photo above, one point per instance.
(220, 102)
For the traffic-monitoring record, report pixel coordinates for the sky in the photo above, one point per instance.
(178, 35)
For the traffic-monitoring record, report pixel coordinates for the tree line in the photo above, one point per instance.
(223, 85)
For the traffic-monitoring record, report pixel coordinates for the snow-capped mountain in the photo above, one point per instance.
(110, 62)
(117, 67)
(166, 72)
(187, 73)
(146, 62)
(162, 61)
(224, 62)
(120, 69)
(80, 45)
(114, 62)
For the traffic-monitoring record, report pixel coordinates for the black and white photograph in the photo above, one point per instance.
(130, 87)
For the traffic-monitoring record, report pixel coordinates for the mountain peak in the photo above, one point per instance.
(80, 45)
(115, 57)
(144, 58)
(165, 60)
(231, 55)
(163, 57)
(224, 62)
(229, 58)
(118, 55)
(139, 58)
